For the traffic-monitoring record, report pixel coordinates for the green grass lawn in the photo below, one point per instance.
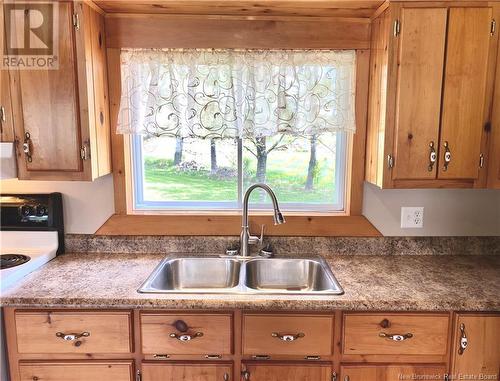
(164, 182)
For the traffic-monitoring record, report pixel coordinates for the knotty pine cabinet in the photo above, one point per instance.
(476, 346)
(392, 372)
(6, 124)
(493, 160)
(126, 345)
(431, 95)
(61, 117)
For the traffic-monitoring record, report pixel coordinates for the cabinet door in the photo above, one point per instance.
(464, 98)
(421, 60)
(98, 91)
(76, 371)
(6, 124)
(481, 356)
(494, 152)
(288, 372)
(392, 373)
(186, 372)
(47, 109)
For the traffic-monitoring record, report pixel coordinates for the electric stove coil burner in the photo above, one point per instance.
(12, 260)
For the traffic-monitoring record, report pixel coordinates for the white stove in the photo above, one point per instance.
(23, 252)
(31, 234)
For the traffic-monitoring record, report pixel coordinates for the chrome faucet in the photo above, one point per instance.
(245, 237)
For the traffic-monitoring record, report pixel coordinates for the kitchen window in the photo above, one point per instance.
(206, 124)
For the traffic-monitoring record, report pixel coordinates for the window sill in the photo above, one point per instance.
(230, 225)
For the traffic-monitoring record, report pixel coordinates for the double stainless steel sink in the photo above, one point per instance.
(242, 275)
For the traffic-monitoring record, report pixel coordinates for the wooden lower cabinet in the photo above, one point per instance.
(392, 372)
(291, 371)
(186, 372)
(479, 358)
(126, 345)
(76, 371)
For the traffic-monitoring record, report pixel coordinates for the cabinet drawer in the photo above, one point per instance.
(43, 332)
(186, 334)
(290, 371)
(287, 334)
(414, 334)
(77, 371)
(187, 371)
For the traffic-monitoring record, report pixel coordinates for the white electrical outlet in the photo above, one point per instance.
(412, 217)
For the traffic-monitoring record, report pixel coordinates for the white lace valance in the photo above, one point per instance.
(235, 93)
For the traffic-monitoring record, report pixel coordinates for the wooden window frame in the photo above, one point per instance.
(349, 222)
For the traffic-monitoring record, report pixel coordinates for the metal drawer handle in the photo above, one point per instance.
(432, 156)
(447, 156)
(185, 336)
(463, 340)
(72, 336)
(287, 337)
(395, 336)
(27, 147)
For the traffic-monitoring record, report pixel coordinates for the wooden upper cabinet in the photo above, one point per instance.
(465, 86)
(431, 95)
(58, 112)
(493, 161)
(6, 123)
(47, 118)
(481, 355)
(421, 58)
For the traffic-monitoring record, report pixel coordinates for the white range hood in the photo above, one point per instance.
(8, 168)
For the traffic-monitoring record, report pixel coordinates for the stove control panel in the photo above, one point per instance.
(33, 212)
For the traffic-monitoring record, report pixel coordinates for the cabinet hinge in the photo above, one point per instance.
(2, 114)
(138, 376)
(481, 160)
(390, 161)
(397, 28)
(76, 21)
(493, 27)
(85, 152)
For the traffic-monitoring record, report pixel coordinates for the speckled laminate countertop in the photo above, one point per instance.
(378, 282)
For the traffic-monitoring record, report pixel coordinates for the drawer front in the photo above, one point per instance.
(294, 371)
(58, 332)
(414, 334)
(187, 371)
(287, 335)
(81, 371)
(186, 334)
(392, 372)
